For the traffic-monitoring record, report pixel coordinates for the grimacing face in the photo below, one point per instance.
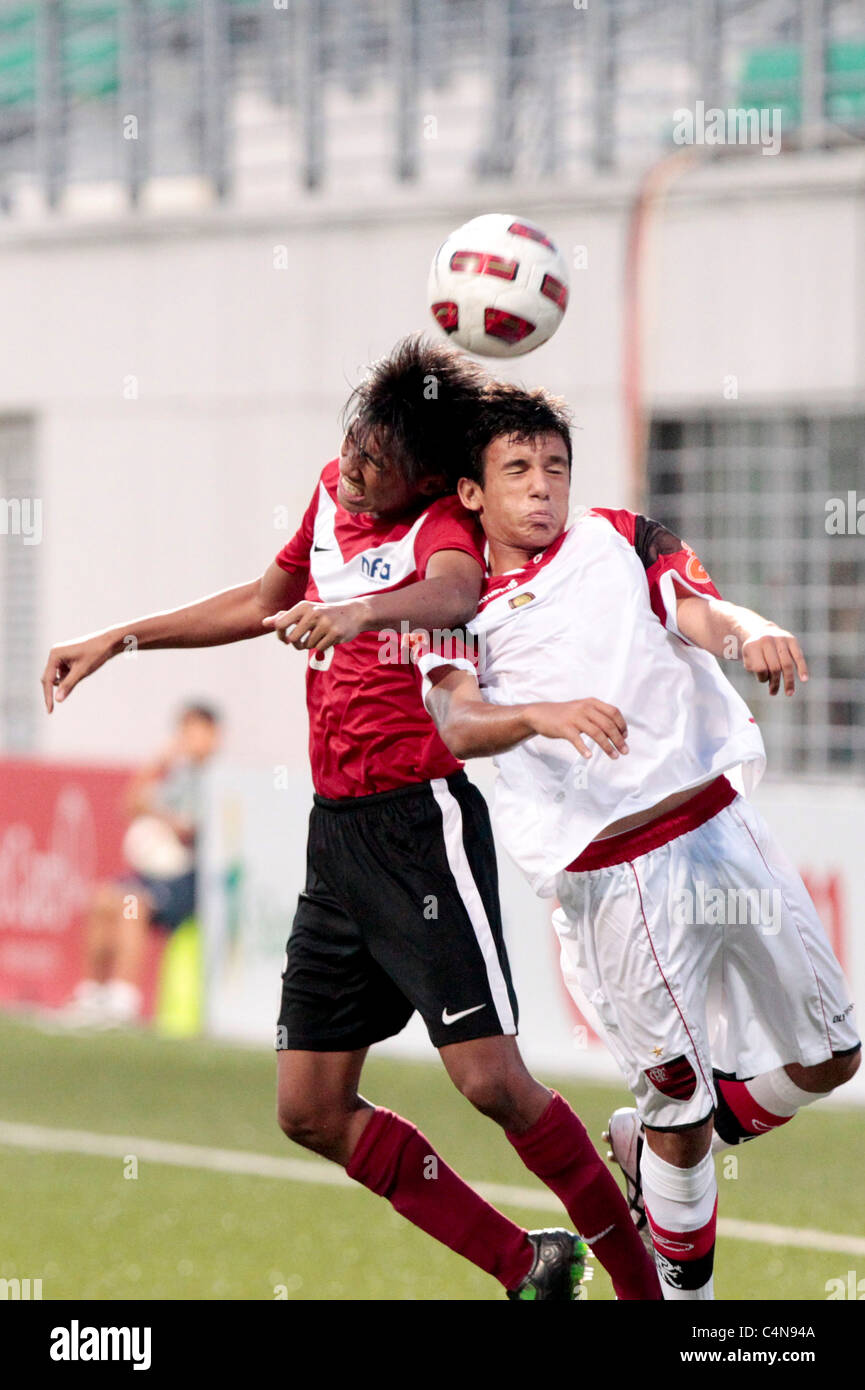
(369, 480)
(523, 500)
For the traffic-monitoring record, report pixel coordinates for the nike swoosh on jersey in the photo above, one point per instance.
(452, 1018)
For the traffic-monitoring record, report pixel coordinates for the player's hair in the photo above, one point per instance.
(420, 400)
(511, 410)
(198, 710)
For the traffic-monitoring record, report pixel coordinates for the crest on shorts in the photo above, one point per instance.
(676, 1079)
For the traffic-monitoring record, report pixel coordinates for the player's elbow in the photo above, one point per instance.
(458, 605)
(459, 737)
(465, 608)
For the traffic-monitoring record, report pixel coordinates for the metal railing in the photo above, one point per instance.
(301, 94)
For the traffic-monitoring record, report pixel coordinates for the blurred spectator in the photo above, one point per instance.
(163, 801)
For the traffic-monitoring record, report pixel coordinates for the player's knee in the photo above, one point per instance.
(107, 900)
(312, 1126)
(490, 1092)
(684, 1147)
(843, 1068)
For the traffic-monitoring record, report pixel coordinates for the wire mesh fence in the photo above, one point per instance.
(769, 502)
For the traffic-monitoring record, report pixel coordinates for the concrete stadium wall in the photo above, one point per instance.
(184, 388)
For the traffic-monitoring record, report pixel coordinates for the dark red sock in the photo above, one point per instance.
(558, 1150)
(394, 1160)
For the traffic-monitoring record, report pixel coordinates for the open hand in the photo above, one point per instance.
(569, 719)
(771, 654)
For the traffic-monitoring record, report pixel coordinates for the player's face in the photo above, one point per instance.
(523, 501)
(199, 738)
(369, 480)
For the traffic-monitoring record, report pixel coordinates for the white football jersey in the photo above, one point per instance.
(578, 621)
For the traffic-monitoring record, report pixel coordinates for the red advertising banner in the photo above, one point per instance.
(61, 828)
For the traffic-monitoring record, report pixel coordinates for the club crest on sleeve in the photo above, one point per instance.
(694, 570)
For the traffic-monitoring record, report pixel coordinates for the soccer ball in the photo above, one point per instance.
(498, 286)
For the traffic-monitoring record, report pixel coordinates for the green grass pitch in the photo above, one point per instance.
(88, 1232)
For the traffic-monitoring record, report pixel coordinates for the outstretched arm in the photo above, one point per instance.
(738, 634)
(682, 594)
(229, 616)
(446, 598)
(472, 728)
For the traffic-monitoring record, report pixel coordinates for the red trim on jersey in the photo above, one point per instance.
(448, 527)
(683, 562)
(623, 520)
(496, 584)
(368, 729)
(630, 844)
(294, 555)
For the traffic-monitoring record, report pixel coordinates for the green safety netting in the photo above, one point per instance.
(772, 77)
(89, 47)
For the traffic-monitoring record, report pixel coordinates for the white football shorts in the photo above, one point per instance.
(699, 947)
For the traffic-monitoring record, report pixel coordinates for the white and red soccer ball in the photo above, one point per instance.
(498, 286)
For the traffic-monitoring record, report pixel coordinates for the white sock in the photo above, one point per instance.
(681, 1201)
(86, 991)
(775, 1092)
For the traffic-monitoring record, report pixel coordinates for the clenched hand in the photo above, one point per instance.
(314, 627)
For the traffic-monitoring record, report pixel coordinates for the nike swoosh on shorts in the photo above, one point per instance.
(452, 1018)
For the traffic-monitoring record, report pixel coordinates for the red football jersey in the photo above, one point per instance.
(368, 729)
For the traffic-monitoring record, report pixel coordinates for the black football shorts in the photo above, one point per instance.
(400, 912)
